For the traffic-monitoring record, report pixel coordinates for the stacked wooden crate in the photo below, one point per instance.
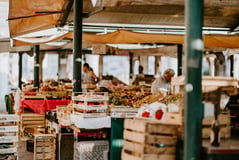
(31, 121)
(209, 84)
(90, 105)
(44, 147)
(225, 126)
(149, 140)
(64, 115)
(8, 136)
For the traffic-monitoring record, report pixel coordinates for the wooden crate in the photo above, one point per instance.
(148, 140)
(208, 83)
(84, 104)
(9, 134)
(63, 115)
(225, 128)
(31, 121)
(44, 147)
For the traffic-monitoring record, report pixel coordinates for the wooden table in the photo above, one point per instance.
(41, 106)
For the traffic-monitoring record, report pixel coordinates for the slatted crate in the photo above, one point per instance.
(149, 140)
(225, 126)
(64, 115)
(8, 135)
(91, 150)
(208, 83)
(44, 147)
(31, 121)
(90, 104)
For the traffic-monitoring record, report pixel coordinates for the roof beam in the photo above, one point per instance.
(66, 13)
(161, 51)
(207, 3)
(154, 19)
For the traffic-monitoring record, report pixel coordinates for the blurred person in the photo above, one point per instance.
(88, 75)
(141, 71)
(162, 84)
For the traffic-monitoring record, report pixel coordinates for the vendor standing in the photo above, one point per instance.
(89, 76)
(162, 84)
(141, 72)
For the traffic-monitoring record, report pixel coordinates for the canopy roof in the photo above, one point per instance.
(129, 37)
(31, 15)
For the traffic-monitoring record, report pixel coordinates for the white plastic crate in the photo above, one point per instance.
(91, 150)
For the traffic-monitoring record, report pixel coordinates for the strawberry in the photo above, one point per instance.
(145, 114)
(159, 114)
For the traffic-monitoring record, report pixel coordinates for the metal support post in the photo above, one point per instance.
(77, 52)
(180, 54)
(36, 51)
(20, 70)
(193, 90)
(130, 65)
(232, 66)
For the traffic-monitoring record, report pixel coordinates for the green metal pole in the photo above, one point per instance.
(36, 51)
(20, 70)
(232, 66)
(130, 65)
(77, 52)
(193, 92)
(180, 54)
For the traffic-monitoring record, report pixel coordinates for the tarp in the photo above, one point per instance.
(129, 37)
(125, 36)
(24, 41)
(27, 16)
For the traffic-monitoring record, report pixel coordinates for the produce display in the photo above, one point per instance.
(133, 96)
(49, 89)
(158, 110)
(90, 105)
(170, 99)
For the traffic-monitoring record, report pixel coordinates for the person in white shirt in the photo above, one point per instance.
(163, 82)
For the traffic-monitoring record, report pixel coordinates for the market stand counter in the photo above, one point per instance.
(41, 106)
(228, 150)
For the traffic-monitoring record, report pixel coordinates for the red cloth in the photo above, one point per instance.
(41, 106)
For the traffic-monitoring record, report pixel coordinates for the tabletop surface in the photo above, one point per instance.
(230, 146)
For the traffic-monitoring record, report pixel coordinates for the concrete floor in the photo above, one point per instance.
(23, 154)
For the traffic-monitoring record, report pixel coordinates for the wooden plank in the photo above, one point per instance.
(34, 122)
(38, 118)
(175, 118)
(44, 156)
(141, 149)
(149, 139)
(150, 126)
(224, 119)
(127, 156)
(8, 139)
(45, 149)
(225, 132)
(9, 118)
(33, 118)
(8, 150)
(8, 129)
